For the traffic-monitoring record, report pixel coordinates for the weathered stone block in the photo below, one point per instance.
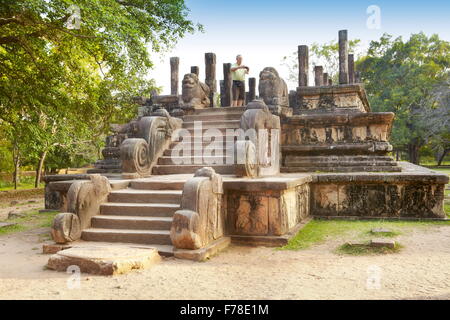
(104, 260)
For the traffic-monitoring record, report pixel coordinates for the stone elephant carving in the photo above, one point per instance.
(83, 201)
(200, 220)
(259, 156)
(153, 136)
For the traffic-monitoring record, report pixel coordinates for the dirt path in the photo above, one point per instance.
(420, 271)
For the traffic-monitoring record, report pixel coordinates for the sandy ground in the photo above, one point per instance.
(420, 271)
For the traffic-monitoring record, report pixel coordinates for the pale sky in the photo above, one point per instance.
(266, 31)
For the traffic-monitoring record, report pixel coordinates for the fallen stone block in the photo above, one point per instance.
(54, 248)
(382, 243)
(15, 214)
(380, 230)
(6, 224)
(109, 260)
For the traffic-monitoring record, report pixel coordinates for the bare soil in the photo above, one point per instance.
(420, 271)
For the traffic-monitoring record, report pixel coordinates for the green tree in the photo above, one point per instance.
(70, 68)
(326, 55)
(411, 79)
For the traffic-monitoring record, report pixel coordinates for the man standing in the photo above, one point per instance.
(238, 72)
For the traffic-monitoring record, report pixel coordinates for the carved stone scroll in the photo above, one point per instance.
(84, 199)
(200, 220)
(263, 128)
(152, 137)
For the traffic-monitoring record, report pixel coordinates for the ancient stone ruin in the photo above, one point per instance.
(188, 177)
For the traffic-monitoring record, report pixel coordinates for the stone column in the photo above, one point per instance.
(303, 65)
(318, 76)
(251, 89)
(210, 76)
(330, 82)
(222, 93)
(351, 68)
(325, 79)
(196, 70)
(174, 66)
(343, 57)
(227, 84)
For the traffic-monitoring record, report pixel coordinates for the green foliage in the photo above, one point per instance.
(411, 78)
(61, 87)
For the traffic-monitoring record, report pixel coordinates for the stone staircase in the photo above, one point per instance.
(219, 119)
(142, 213)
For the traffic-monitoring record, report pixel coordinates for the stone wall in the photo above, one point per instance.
(414, 193)
(326, 98)
(266, 212)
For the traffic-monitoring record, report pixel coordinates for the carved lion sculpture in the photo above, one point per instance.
(195, 94)
(272, 89)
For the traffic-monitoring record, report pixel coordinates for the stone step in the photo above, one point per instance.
(127, 236)
(178, 169)
(230, 140)
(340, 164)
(139, 209)
(145, 196)
(201, 150)
(217, 111)
(216, 124)
(213, 116)
(130, 222)
(319, 169)
(338, 158)
(157, 185)
(218, 160)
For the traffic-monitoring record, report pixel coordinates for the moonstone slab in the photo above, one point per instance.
(111, 260)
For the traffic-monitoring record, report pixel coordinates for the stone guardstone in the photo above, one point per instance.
(6, 224)
(102, 260)
(382, 243)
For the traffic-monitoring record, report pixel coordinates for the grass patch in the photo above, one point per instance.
(32, 220)
(11, 229)
(366, 249)
(390, 234)
(318, 231)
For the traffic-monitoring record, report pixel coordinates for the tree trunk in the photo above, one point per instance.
(413, 152)
(16, 161)
(39, 169)
(441, 158)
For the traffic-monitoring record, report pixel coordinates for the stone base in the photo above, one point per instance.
(269, 241)
(416, 192)
(110, 260)
(203, 253)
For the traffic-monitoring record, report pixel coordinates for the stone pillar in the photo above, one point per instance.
(210, 76)
(251, 89)
(174, 66)
(343, 57)
(227, 84)
(196, 70)
(318, 76)
(330, 82)
(325, 79)
(222, 92)
(303, 65)
(351, 68)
